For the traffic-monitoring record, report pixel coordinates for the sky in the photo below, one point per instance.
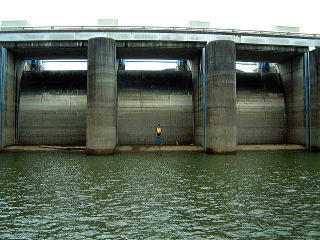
(241, 14)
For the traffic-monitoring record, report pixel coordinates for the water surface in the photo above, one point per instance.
(257, 195)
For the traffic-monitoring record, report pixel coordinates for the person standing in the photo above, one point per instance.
(158, 131)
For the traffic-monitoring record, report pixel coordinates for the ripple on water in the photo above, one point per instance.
(159, 196)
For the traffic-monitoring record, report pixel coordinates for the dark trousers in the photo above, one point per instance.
(159, 140)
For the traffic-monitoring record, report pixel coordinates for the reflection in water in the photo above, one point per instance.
(160, 195)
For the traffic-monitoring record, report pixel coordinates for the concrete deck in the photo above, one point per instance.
(145, 148)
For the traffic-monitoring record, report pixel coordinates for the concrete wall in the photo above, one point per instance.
(315, 99)
(197, 82)
(148, 98)
(2, 77)
(10, 105)
(293, 78)
(53, 107)
(9, 89)
(261, 115)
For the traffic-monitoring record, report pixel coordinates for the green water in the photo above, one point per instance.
(257, 195)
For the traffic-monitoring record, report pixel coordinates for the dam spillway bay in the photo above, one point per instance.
(207, 103)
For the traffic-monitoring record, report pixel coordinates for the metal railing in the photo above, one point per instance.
(157, 29)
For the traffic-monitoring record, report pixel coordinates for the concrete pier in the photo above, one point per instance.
(315, 100)
(221, 97)
(8, 86)
(101, 137)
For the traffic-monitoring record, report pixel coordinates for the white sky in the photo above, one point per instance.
(153, 65)
(82, 65)
(241, 14)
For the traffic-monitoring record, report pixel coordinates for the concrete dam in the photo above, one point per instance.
(208, 103)
(52, 108)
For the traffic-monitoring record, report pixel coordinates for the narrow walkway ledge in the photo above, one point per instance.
(271, 147)
(149, 148)
(44, 148)
(167, 148)
(133, 148)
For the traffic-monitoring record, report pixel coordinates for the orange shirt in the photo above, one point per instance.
(158, 131)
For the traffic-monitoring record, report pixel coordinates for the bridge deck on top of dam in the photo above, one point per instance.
(149, 49)
(145, 33)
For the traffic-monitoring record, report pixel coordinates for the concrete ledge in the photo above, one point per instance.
(271, 147)
(133, 148)
(167, 148)
(148, 148)
(44, 148)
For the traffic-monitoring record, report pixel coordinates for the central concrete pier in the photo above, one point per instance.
(221, 97)
(101, 136)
